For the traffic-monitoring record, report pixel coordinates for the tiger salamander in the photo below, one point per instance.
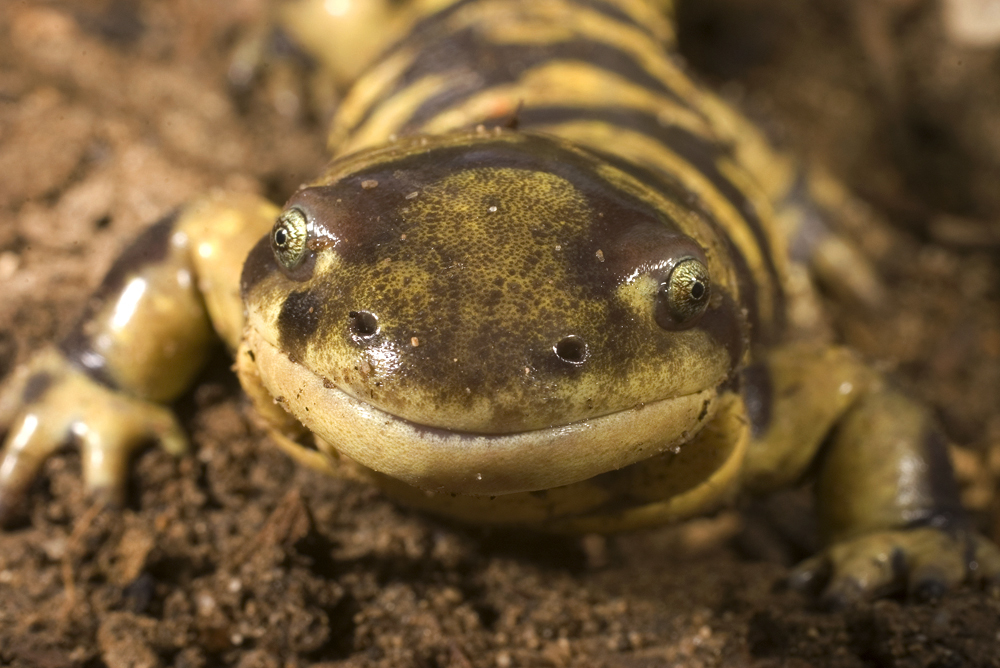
(547, 280)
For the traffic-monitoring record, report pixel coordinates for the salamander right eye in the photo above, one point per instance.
(683, 298)
(289, 237)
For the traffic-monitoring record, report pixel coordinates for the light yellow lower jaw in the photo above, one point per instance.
(477, 464)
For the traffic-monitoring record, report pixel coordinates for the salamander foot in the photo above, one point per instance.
(924, 562)
(48, 403)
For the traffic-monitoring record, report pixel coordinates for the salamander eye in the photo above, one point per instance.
(684, 296)
(289, 237)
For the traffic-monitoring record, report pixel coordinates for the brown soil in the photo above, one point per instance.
(112, 113)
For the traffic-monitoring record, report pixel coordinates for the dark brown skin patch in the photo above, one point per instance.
(36, 386)
(149, 248)
(300, 317)
(947, 510)
(259, 265)
(355, 221)
(758, 395)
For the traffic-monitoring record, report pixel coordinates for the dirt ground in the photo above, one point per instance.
(114, 112)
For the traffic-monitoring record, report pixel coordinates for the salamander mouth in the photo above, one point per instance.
(442, 460)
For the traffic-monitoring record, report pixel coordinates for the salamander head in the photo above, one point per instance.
(489, 313)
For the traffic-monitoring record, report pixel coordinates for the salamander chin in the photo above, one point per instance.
(442, 460)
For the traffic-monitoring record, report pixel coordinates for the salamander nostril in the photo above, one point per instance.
(571, 349)
(363, 324)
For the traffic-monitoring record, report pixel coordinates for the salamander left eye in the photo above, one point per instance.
(684, 296)
(289, 237)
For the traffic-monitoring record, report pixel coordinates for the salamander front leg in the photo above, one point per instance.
(889, 509)
(144, 336)
(887, 500)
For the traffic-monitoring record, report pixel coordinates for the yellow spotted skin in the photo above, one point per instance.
(548, 280)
